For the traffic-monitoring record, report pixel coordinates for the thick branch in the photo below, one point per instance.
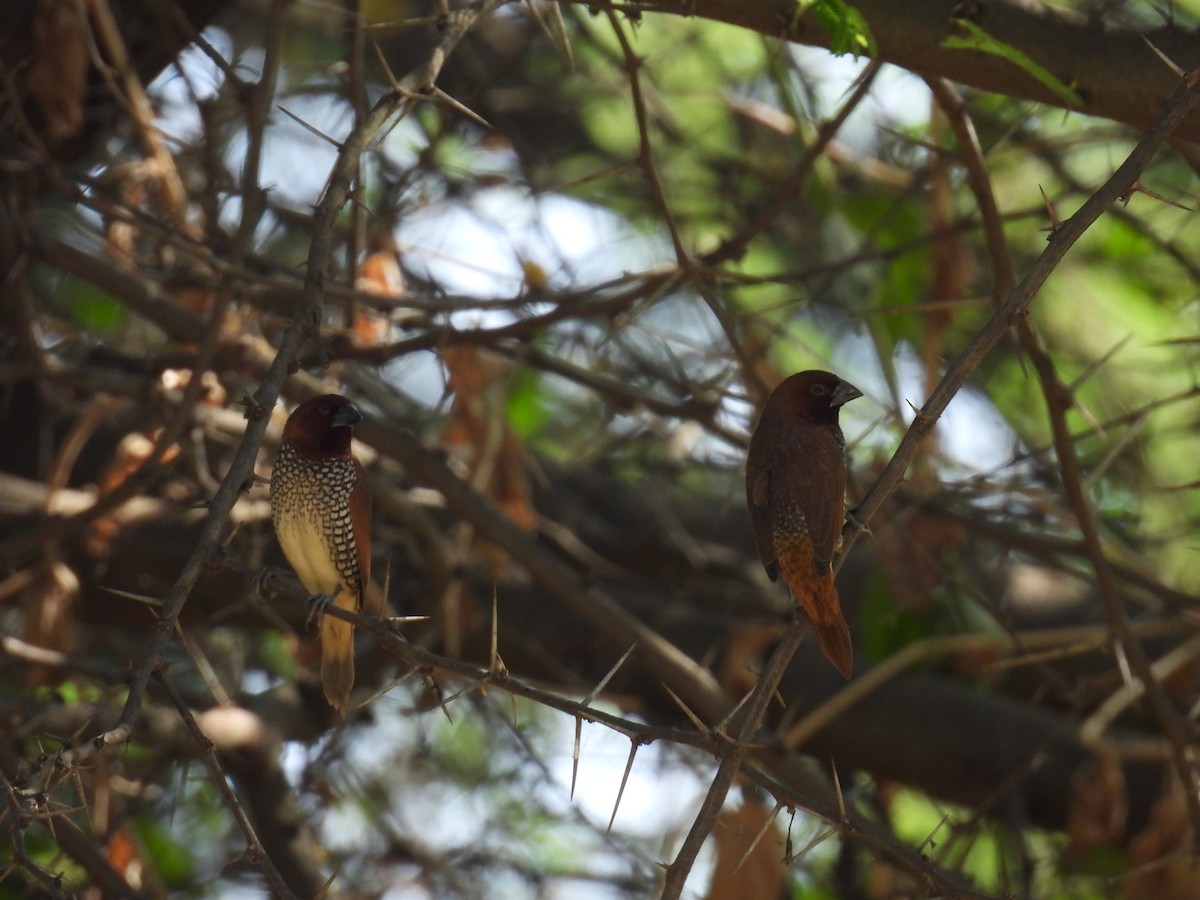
(1112, 67)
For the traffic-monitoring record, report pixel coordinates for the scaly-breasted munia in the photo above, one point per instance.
(321, 508)
(795, 488)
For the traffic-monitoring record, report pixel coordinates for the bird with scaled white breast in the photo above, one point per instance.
(321, 510)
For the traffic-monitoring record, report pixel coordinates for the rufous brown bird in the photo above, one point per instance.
(796, 491)
(321, 508)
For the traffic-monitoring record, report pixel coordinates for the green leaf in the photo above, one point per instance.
(900, 627)
(172, 858)
(96, 312)
(980, 41)
(527, 410)
(847, 29)
(277, 655)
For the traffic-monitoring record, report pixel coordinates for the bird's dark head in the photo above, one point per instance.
(321, 426)
(814, 395)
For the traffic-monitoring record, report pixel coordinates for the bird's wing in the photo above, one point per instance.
(360, 518)
(815, 477)
(758, 494)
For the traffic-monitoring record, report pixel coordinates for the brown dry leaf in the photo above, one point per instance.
(759, 876)
(478, 433)
(1096, 808)
(511, 488)
(134, 451)
(48, 603)
(124, 858)
(58, 75)
(370, 329)
(379, 273)
(470, 371)
(1161, 864)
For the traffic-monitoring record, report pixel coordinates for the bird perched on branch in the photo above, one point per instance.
(321, 509)
(795, 488)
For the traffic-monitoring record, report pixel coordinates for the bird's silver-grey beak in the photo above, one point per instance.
(346, 416)
(843, 393)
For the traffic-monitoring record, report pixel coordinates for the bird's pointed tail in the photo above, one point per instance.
(337, 656)
(825, 611)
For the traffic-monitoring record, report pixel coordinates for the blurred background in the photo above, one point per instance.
(579, 247)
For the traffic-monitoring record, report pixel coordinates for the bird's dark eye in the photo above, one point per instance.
(819, 390)
(326, 409)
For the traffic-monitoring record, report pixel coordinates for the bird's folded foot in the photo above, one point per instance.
(261, 579)
(317, 604)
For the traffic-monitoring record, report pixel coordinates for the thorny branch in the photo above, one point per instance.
(1058, 402)
(732, 757)
(301, 325)
(515, 338)
(763, 762)
(228, 796)
(1015, 305)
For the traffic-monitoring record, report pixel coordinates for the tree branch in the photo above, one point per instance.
(1112, 67)
(1017, 303)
